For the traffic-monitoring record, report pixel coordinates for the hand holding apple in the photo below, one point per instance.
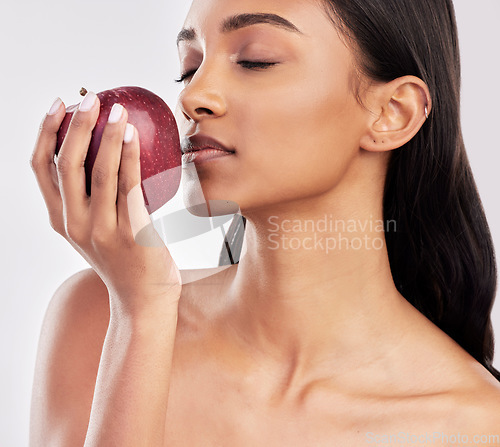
(107, 228)
(159, 141)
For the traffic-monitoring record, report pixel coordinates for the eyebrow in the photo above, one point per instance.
(239, 21)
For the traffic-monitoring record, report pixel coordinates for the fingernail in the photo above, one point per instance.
(88, 102)
(116, 113)
(129, 133)
(55, 106)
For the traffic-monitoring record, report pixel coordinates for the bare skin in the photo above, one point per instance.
(307, 346)
(302, 331)
(223, 393)
(296, 347)
(419, 382)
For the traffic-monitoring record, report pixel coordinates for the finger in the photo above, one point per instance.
(71, 158)
(104, 187)
(132, 213)
(42, 163)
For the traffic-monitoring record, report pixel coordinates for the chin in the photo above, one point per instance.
(204, 201)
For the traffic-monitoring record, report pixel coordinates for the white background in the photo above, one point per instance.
(52, 48)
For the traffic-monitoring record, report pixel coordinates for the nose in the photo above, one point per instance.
(202, 98)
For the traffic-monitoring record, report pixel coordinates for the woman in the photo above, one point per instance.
(359, 311)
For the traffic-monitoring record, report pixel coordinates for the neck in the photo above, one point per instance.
(316, 286)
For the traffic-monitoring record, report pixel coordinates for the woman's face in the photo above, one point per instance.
(293, 121)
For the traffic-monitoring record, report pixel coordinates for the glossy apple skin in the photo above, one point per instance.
(161, 156)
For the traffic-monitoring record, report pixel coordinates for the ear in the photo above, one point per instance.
(398, 109)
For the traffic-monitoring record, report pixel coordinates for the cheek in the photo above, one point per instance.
(302, 129)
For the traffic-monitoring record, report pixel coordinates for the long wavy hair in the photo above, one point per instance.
(441, 256)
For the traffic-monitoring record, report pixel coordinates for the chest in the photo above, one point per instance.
(221, 423)
(208, 407)
(206, 412)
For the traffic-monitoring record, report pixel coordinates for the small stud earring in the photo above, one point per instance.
(426, 113)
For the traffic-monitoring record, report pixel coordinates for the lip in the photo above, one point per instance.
(199, 142)
(204, 155)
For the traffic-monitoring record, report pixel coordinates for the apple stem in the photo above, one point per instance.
(83, 91)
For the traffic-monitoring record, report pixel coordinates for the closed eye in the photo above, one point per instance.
(250, 65)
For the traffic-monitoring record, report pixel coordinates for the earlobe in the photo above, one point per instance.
(402, 107)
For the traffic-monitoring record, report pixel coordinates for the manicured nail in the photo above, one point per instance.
(116, 113)
(88, 102)
(129, 133)
(55, 106)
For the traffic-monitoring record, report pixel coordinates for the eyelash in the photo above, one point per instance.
(245, 64)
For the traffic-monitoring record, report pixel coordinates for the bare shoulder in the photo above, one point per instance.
(69, 351)
(84, 288)
(443, 388)
(475, 393)
(480, 405)
(459, 387)
(473, 407)
(80, 306)
(475, 401)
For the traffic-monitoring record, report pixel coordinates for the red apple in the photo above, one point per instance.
(161, 156)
